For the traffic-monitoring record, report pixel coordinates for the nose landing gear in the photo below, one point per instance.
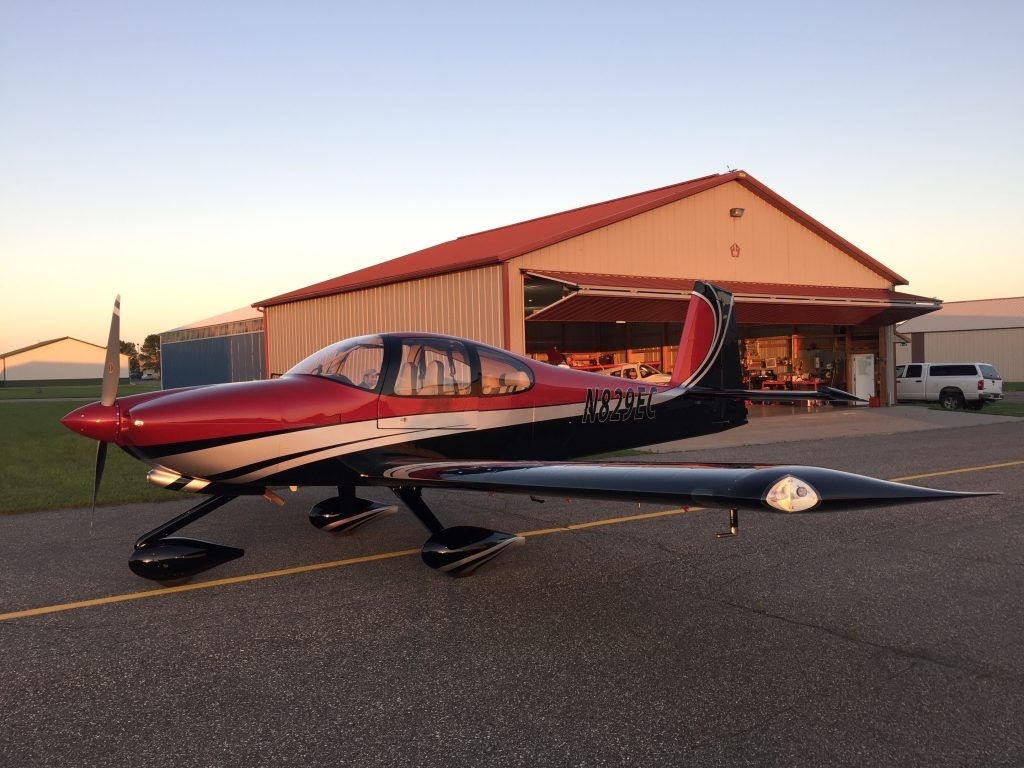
(158, 556)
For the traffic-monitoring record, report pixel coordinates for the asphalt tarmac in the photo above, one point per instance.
(886, 637)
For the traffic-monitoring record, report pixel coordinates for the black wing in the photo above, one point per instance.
(734, 486)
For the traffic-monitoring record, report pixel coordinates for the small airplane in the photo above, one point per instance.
(416, 411)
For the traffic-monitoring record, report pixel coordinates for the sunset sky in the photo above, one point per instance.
(197, 157)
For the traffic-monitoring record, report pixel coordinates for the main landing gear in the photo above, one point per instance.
(458, 550)
(461, 549)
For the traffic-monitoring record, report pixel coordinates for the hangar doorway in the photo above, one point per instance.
(805, 357)
(772, 358)
(595, 344)
(616, 326)
(792, 337)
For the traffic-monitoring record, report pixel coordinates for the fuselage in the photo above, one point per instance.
(431, 397)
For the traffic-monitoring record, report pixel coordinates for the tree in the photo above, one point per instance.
(129, 348)
(149, 355)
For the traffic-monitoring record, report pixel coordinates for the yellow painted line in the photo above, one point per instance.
(163, 591)
(1004, 465)
(160, 592)
(204, 585)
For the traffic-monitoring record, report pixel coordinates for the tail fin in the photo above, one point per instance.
(709, 352)
(708, 361)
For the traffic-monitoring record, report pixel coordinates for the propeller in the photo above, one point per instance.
(112, 364)
(108, 395)
(101, 462)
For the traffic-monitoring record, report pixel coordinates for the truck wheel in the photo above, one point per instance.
(951, 399)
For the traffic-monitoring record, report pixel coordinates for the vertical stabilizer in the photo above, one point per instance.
(709, 347)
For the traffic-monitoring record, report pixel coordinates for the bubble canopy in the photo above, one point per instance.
(350, 361)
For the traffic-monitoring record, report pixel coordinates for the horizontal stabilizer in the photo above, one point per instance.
(826, 394)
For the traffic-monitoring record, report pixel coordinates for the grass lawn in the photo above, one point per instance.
(72, 391)
(1011, 405)
(43, 465)
(1003, 408)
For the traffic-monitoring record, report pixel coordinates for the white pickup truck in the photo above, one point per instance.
(952, 385)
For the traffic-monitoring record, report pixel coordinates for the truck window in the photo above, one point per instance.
(989, 372)
(953, 370)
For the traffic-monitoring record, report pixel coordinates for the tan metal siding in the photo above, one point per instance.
(467, 304)
(1002, 347)
(692, 238)
(63, 359)
(903, 353)
(689, 238)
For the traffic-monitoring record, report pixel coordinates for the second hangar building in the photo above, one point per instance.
(608, 283)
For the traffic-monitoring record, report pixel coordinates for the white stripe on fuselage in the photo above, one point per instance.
(306, 446)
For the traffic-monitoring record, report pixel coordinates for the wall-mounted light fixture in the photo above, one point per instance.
(735, 212)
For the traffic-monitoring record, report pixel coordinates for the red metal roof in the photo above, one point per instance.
(494, 246)
(609, 298)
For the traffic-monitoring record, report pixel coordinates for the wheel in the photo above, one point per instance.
(951, 399)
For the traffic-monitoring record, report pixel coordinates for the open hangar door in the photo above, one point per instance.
(792, 337)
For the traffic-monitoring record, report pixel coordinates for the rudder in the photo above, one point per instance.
(708, 353)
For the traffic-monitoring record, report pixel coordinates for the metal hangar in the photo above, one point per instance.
(229, 347)
(58, 361)
(608, 283)
(984, 330)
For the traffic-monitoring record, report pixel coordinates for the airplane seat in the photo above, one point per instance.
(437, 379)
(517, 381)
(405, 384)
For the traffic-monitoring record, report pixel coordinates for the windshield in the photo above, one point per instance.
(354, 361)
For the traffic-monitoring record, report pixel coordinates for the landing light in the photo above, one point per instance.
(791, 494)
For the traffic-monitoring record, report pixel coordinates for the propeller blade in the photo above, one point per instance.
(101, 461)
(112, 363)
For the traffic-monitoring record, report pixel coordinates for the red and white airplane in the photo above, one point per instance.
(414, 411)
